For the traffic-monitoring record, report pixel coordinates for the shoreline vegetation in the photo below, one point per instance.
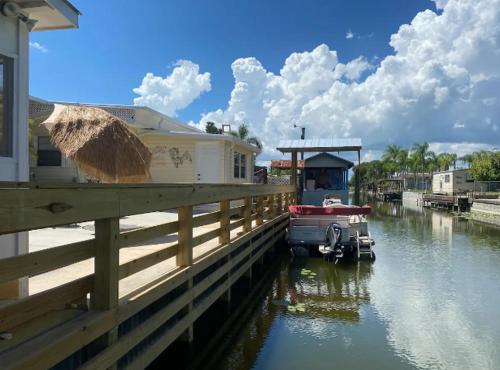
(418, 162)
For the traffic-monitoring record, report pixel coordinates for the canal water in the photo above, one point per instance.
(431, 300)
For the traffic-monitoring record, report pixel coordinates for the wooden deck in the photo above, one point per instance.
(451, 202)
(121, 298)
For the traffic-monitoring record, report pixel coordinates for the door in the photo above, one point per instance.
(208, 164)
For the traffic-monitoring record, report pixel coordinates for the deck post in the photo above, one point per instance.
(247, 215)
(279, 209)
(224, 236)
(106, 279)
(185, 256)
(260, 210)
(185, 253)
(294, 172)
(357, 185)
(270, 205)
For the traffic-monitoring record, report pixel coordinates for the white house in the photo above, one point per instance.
(452, 182)
(17, 19)
(181, 153)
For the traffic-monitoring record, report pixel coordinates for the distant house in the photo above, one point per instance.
(452, 182)
(15, 28)
(181, 153)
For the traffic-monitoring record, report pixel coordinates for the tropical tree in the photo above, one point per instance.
(419, 153)
(243, 134)
(485, 166)
(210, 128)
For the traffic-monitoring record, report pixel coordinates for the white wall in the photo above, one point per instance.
(14, 39)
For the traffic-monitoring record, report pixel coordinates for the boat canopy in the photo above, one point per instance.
(296, 211)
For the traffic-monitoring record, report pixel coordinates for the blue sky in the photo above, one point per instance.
(413, 71)
(119, 42)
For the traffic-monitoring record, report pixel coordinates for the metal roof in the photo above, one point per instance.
(320, 145)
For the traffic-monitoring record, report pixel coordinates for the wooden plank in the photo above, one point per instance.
(111, 354)
(36, 263)
(224, 236)
(148, 260)
(30, 307)
(135, 237)
(205, 237)
(260, 210)
(185, 252)
(209, 218)
(236, 224)
(106, 275)
(272, 206)
(141, 298)
(247, 214)
(32, 208)
(53, 346)
(152, 352)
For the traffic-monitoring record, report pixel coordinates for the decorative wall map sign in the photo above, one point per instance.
(160, 155)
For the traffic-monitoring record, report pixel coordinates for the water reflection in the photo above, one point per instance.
(430, 301)
(437, 289)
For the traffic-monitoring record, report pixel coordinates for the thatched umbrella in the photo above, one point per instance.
(99, 143)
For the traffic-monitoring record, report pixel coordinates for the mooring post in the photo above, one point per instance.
(106, 278)
(185, 255)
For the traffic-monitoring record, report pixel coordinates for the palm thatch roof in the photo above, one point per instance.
(99, 143)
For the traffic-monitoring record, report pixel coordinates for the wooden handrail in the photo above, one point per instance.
(28, 207)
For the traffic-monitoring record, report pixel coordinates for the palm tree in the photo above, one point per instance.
(243, 133)
(419, 153)
(402, 161)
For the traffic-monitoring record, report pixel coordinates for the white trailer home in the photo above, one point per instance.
(452, 182)
(17, 19)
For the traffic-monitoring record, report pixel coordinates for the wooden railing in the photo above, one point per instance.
(83, 322)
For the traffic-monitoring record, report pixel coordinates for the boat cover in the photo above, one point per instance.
(325, 211)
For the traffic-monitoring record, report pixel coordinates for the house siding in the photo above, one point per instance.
(164, 168)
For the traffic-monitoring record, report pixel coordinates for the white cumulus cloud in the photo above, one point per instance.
(37, 46)
(174, 92)
(441, 84)
(349, 35)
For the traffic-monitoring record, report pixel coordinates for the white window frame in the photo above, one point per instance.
(237, 161)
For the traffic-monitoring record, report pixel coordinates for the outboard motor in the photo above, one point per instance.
(334, 240)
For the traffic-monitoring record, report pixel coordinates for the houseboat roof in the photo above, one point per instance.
(285, 164)
(320, 145)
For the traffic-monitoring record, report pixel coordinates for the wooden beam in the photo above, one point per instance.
(247, 215)
(36, 263)
(294, 170)
(185, 253)
(260, 210)
(106, 278)
(279, 208)
(224, 236)
(34, 208)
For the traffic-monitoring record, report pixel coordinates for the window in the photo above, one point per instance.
(240, 166)
(243, 165)
(47, 154)
(446, 178)
(6, 105)
(236, 165)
